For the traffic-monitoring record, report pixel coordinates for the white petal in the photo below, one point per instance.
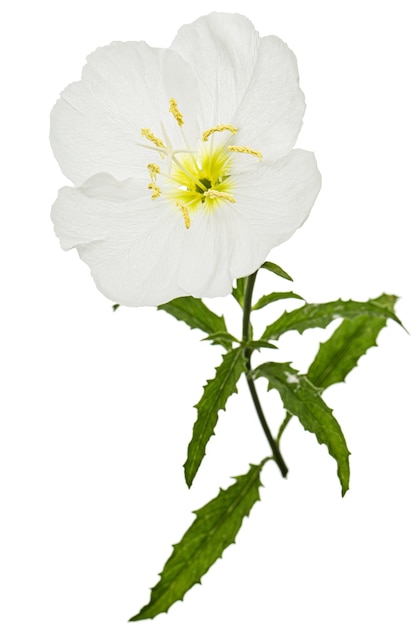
(220, 247)
(244, 80)
(140, 252)
(204, 268)
(131, 244)
(96, 124)
(276, 199)
(271, 113)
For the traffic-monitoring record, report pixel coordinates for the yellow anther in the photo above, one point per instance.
(218, 129)
(156, 190)
(185, 213)
(146, 132)
(173, 108)
(245, 150)
(213, 193)
(153, 171)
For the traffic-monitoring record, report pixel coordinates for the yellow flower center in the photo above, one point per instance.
(202, 179)
(195, 180)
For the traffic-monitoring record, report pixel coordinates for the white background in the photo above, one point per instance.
(97, 407)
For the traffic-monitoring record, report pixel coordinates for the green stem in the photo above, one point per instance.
(246, 335)
(283, 426)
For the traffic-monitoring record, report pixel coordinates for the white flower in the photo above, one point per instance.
(182, 160)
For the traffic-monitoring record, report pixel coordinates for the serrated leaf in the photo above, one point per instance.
(276, 269)
(196, 314)
(302, 399)
(221, 337)
(215, 395)
(341, 352)
(239, 291)
(214, 529)
(258, 344)
(274, 297)
(320, 316)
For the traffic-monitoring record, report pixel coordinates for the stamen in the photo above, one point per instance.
(185, 213)
(156, 190)
(154, 169)
(245, 150)
(161, 151)
(218, 129)
(173, 108)
(190, 174)
(146, 132)
(213, 193)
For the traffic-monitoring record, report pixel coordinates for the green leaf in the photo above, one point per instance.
(115, 307)
(273, 297)
(320, 316)
(221, 337)
(276, 269)
(258, 344)
(351, 340)
(215, 396)
(239, 291)
(196, 314)
(302, 399)
(214, 529)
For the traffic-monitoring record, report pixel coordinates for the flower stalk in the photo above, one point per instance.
(246, 336)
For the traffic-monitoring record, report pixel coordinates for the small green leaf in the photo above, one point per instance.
(273, 297)
(215, 396)
(302, 399)
(320, 316)
(276, 269)
(351, 340)
(258, 344)
(115, 307)
(196, 314)
(239, 291)
(221, 338)
(214, 529)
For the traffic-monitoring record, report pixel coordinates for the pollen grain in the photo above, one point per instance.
(146, 132)
(156, 191)
(154, 169)
(185, 214)
(173, 108)
(213, 193)
(218, 129)
(245, 150)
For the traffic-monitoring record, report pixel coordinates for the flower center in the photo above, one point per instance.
(199, 179)
(202, 179)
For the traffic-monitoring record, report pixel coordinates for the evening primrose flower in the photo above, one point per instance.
(182, 162)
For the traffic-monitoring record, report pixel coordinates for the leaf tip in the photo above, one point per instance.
(188, 480)
(135, 618)
(190, 470)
